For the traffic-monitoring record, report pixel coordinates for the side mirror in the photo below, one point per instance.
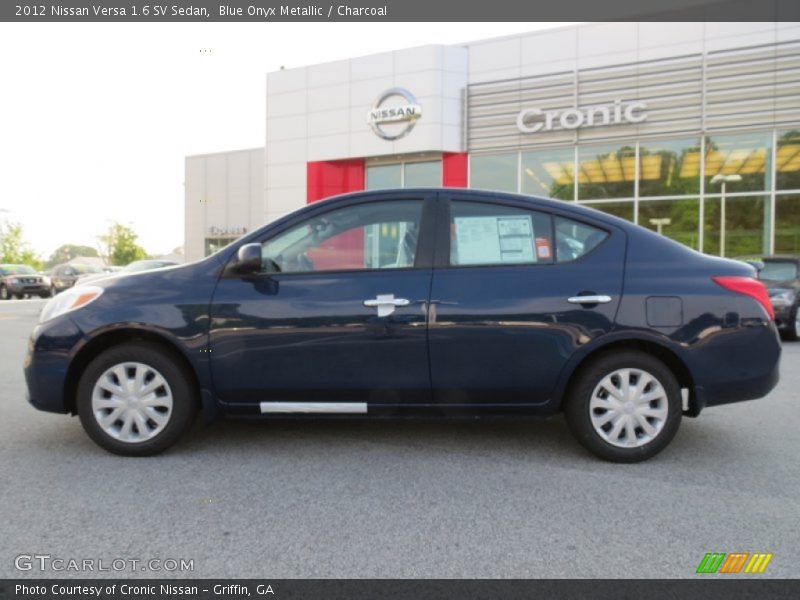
(756, 264)
(248, 259)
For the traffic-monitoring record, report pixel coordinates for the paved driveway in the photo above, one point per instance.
(400, 499)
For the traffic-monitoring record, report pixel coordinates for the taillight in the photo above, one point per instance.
(748, 287)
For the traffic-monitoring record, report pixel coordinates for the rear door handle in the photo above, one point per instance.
(386, 303)
(598, 299)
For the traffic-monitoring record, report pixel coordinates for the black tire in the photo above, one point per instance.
(169, 366)
(4, 295)
(790, 333)
(45, 295)
(19, 296)
(579, 417)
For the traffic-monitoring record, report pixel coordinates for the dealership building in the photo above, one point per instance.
(690, 129)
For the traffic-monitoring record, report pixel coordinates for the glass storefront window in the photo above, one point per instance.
(675, 219)
(742, 161)
(423, 174)
(549, 173)
(737, 227)
(606, 171)
(787, 161)
(214, 244)
(787, 224)
(669, 167)
(623, 210)
(494, 172)
(382, 177)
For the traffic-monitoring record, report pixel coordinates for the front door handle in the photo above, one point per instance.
(386, 303)
(596, 299)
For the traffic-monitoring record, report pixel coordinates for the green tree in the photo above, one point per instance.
(67, 252)
(121, 247)
(14, 249)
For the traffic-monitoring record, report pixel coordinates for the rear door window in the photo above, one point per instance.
(492, 234)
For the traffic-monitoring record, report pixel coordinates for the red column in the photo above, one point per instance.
(325, 179)
(454, 169)
(330, 177)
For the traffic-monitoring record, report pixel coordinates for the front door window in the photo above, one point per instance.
(374, 235)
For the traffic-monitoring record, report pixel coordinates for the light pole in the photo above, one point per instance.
(722, 180)
(660, 223)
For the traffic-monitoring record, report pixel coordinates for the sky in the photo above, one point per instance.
(96, 119)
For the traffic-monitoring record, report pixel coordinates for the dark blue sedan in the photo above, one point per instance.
(444, 303)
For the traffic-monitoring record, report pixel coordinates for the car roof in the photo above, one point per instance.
(549, 204)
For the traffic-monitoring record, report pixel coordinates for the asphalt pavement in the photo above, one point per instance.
(473, 499)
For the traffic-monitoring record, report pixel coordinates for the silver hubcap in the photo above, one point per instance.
(132, 402)
(628, 408)
(797, 323)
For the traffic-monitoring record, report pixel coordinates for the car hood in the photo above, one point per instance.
(92, 277)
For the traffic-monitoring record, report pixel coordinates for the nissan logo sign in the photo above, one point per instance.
(533, 120)
(394, 114)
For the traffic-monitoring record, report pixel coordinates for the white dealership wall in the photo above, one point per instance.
(318, 113)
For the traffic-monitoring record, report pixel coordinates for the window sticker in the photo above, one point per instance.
(492, 240)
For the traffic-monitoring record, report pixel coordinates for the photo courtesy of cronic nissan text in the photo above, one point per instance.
(399, 299)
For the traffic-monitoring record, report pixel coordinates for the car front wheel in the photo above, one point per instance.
(136, 399)
(624, 406)
(4, 294)
(792, 333)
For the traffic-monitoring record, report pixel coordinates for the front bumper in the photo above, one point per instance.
(784, 319)
(28, 288)
(50, 351)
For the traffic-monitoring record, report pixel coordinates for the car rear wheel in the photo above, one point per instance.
(136, 400)
(624, 406)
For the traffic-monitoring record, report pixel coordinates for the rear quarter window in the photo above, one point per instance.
(575, 239)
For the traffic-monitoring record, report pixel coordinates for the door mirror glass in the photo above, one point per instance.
(248, 259)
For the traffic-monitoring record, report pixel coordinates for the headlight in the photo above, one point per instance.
(13, 281)
(72, 299)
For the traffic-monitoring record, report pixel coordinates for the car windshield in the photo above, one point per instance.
(17, 270)
(775, 270)
(85, 269)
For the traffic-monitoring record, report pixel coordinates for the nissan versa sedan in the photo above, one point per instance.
(415, 303)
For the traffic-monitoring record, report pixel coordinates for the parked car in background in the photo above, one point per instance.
(17, 281)
(415, 303)
(781, 276)
(134, 267)
(64, 276)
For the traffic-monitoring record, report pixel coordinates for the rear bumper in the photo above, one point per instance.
(742, 365)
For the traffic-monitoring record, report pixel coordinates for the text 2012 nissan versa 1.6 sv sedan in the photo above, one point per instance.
(415, 303)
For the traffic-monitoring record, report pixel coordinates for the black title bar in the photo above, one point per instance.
(703, 587)
(210, 11)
